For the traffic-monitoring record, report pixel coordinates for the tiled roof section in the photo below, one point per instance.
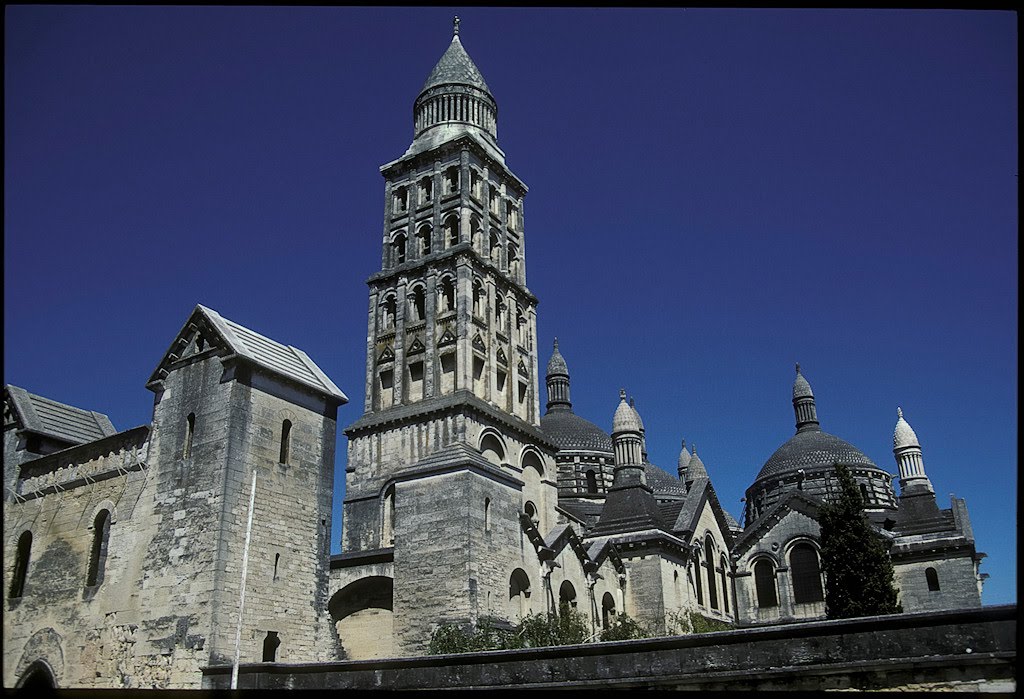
(285, 360)
(455, 66)
(57, 420)
(570, 431)
(813, 449)
(662, 482)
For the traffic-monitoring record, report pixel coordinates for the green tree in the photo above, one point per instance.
(855, 558)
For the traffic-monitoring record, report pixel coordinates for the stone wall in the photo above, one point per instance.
(958, 650)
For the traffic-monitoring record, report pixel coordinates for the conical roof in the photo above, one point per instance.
(801, 389)
(696, 468)
(625, 418)
(684, 459)
(455, 68)
(903, 436)
(557, 365)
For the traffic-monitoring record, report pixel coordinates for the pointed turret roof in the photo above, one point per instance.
(903, 436)
(801, 389)
(696, 468)
(683, 461)
(455, 67)
(557, 365)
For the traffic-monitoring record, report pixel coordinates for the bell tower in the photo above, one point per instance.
(451, 414)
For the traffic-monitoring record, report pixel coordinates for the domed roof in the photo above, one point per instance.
(813, 449)
(569, 431)
(904, 435)
(455, 67)
(625, 418)
(557, 365)
(695, 469)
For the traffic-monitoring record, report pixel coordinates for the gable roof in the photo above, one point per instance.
(49, 418)
(701, 492)
(283, 360)
(793, 501)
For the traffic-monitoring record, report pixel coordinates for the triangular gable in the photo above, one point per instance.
(223, 336)
(793, 501)
(478, 343)
(523, 370)
(603, 550)
(448, 338)
(416, 347)
(501, 357)
(702, 493)
(386, 355)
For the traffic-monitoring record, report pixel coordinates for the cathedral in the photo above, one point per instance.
(136, 558)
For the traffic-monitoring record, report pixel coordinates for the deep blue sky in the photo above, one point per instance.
(714, 195)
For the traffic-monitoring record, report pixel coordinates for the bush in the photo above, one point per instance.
(625, 628)
(687, 622)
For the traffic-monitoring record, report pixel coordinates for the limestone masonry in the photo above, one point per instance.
(125, 551)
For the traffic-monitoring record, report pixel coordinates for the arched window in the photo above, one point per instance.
(426, 190)
(591, 481)
(806, 572)
(607, 609)
(388, 309)
(566, 595)
(286, 441)
(864, 493)
(494, 247)
(478, 298)
(513, 259)
(764, 582)
(697, 579)
(451, 180)
(493, 451)
(518, 594)
(531, 511)
(709, 560)
(398, 246)
(21, 558)
(725, 585)
(418, 304)
(190, 428)
(477, 233)
(424, 235)
(451, 230)
(98, 555)
(933, 579)
(446, 295)
(270, 645)
(400, 202)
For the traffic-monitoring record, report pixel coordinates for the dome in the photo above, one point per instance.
(569, 431)
(639, 420)
(904, 435)
(557, 365)
(813, 449)
(625, 418)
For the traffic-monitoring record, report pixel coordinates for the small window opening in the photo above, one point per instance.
(277, 562)
(424, 236)
(531, 511)
(933, 579)
(447, 296)
(451, 180)
(864, 492)
(451, 227)
(487, 514)
(270, 646)
(591, 481)
(286, 441)
(426, 189)
(418, 305)
(21, 565)
(764, 582)
(388, 316)
(98, 555)
(200, 343)
(399, 245)
(190, 428)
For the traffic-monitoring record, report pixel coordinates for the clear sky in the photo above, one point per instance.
(714, 195)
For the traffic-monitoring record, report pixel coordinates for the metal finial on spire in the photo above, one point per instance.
(456, 25)
(798, 367)
(899, 412)
(684, 444)
(556, 344)
(695, 449)
(622, 394)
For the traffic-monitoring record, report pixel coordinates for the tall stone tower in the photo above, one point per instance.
(448, 451)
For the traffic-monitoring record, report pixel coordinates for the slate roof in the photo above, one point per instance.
(570, 431)
(813, 449)
(284, 360)
(49, 418)
(662, 482)
(455, 66)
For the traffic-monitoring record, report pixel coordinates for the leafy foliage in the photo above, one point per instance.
(855, 558)
(625, 628)
(681, 623)
(490, 633)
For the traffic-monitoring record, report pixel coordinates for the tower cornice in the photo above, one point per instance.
(408, 162)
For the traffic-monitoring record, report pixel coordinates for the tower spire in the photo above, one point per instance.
(909, 458)
(558, 382)
(803, 404)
